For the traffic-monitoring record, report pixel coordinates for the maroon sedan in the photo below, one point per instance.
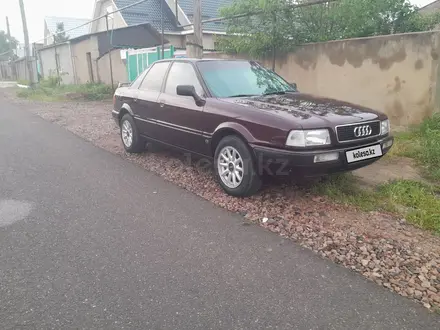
(247, 119)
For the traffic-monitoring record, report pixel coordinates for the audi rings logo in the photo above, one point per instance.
(362, 131)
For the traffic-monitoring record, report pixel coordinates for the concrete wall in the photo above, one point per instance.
(179, 41)
(208, 41)
(48, 62)
(396, 74)
(119, 68)
(22, 72)
(73, 63)
(6, 70)
(79, 53)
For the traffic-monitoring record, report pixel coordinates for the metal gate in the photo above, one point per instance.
(140, 59)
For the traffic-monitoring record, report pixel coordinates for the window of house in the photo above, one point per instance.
(182, 74)
(154, 78)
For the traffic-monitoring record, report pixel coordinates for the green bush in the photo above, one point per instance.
(422, 143)
(95, 92)
(429, 152)
(51, 81)
(50, 90)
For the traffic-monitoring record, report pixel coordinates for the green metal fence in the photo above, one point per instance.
(140, 59)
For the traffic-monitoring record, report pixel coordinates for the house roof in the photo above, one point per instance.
(134, 36)
(210, 9)
(148, 12)
(69, 23)
(435, 5)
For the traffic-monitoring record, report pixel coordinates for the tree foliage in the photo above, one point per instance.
(279, 26)
(60, 34)
(7, 44)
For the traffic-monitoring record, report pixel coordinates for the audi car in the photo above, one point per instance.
(248, 120)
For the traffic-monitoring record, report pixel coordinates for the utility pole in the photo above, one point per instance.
(26, 41)
(194, 43)
(162, 28)
(8, 31)
(198, 38)
(110, 54)
(177, 12)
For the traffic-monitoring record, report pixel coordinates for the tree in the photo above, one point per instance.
(7, 43)
(279, 26)
(257, 34)
(60, 34)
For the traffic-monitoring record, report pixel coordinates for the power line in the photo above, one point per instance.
(219, 19)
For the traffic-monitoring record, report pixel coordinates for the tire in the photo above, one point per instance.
(229, 154)
(131, 140)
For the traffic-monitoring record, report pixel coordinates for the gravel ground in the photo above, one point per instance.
(380, 246)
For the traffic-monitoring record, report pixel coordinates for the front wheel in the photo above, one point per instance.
(235, 168)
(130, 137)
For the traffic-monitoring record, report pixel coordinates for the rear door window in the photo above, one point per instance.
(138, 80)
(154, 78)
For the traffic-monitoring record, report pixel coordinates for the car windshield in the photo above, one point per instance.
(241, 78)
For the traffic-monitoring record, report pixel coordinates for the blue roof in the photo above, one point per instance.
(69, 23)
(148, 12)
(210, 9)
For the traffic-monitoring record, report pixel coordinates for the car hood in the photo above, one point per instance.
(308, 110)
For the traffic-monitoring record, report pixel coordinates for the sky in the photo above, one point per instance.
(36, 10)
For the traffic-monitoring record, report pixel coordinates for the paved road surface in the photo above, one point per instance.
(91, 241)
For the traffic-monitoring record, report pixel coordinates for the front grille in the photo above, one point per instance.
(346, 133)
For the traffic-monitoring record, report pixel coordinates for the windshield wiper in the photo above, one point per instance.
(277, 93)
(242, 95)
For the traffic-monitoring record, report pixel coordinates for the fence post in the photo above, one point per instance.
(127, 61)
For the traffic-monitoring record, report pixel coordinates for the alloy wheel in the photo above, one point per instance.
(230, 167)
(127, 133)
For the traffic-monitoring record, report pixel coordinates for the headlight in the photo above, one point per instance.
(300, 138)
(385, 127)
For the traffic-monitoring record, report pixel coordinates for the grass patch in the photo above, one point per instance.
(417, 202)
(345, 188)
(23, 82)
(49, 90)
(422, 144)
(421, 202)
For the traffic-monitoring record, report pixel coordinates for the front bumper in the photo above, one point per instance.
(282, 162)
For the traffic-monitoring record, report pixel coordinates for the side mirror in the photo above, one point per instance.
(294, 86)
(189, 90)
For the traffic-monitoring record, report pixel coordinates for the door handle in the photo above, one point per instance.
(135, 100)
(161, 104)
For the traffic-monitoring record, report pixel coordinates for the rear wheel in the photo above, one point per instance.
(235, 167)
(130, 137)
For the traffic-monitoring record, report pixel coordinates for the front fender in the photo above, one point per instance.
(227, 127)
